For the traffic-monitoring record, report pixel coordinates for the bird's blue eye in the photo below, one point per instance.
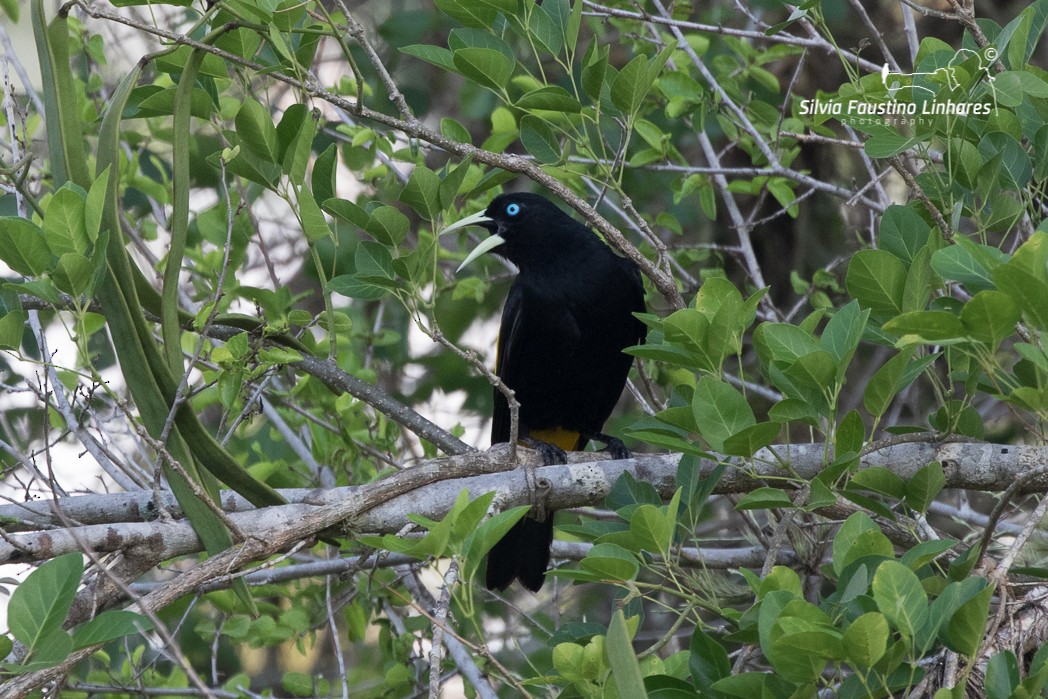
(513, 209)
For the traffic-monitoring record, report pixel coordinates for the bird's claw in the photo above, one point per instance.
(613, 445)
(551, 454)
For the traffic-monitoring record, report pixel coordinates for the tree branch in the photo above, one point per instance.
(114, 522)
(504, 161)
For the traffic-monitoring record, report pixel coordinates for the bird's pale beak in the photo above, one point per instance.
(487, 244)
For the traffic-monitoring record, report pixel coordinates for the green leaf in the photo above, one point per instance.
(610, 562)
(40, 603)
(871, 543)
(801, 641)
(811, 378)
(879, 480)
(255, 127)
(12, 320)
(64, 128)
(1040, 153)
(729, 317)
(850, 435)
(1025, 289)
(764, 498)
(1015, 162)
(574, 23)
(900, 597)
(437, 55)
(628, 491)
(623, 660)
(781, 578)
(925, 552)
(1032, 255)
(539, 139)
(577, 663)
(853, 527)
(10, 8)
(50, 650)
(651, 529)
(920, 281)
(452, 182)
(347, 211)
(658, 62)
(1002, 676)
(373, 260)
(843, 332)
(886, 143)
(64, 230)
(876, 278)
(551, 98)
(748, 685)
(422, 192)
(629, 88)
(546, 25)
(487, 67)
(964, 633)
(477, 13)
(93, 205)
(783, 343)
(895, 375)
(969, 263)
(926, 326)
(348, 285)
(323, 178)
(436, 540)
(314, 226)
(489, 533)
(23, 248)
(454, 130)
(297, 150)
(752, 439)
(865, 640)
(689, 329)
(1022, 42)
(990, 316)
(925, 486)
(156, 102)
(720, 411)
(1033, 354)
(109, 626)
(595, 67)
(73, 274)
(964, 161)
(388, 225)
(902, 232)
(707, 660)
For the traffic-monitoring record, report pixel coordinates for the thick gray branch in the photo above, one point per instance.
(119, 522)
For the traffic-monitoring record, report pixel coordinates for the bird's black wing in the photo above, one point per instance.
(500, 422)
(530, 338)
(539, 341)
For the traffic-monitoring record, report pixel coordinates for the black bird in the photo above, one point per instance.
(568, 316)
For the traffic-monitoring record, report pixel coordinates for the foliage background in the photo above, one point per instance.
(846, 318)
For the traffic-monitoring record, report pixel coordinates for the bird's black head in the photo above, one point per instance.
(517, 211)
(526, 229)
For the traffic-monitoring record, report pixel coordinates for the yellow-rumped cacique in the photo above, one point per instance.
(568, 316)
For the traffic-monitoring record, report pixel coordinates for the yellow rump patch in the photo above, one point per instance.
(565, 439)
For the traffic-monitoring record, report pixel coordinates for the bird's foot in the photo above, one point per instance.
(612, 445)
(551, 454)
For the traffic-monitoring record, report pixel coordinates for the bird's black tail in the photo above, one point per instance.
(523, 554)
